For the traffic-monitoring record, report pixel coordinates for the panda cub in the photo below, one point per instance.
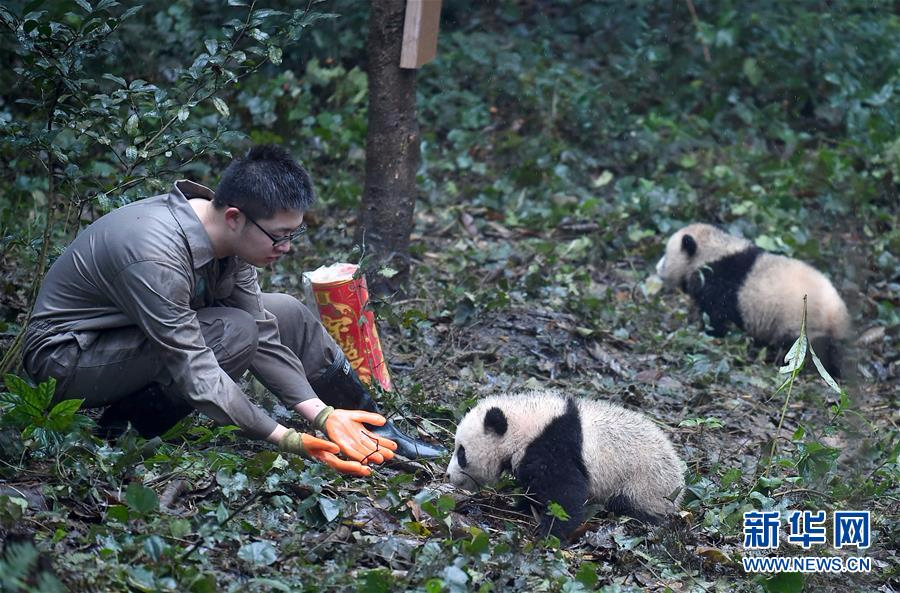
(732, 280)
(569, 450)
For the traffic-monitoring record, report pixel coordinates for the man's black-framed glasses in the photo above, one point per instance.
(276, 241)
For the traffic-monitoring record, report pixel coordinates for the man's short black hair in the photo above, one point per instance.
(264, 182)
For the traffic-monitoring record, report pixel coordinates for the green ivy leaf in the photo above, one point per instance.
(785, 582)
(141, 579)
(221, 513)
(141, 499)
(555, 510)
(180, 528)
(117, 512)
(260, 553)
(376, 581)
(752, 71)
(587, 574)
(330, 508)
(265, 585)
(155, 547)
(12, 508)
(480, 544)
(731, 477)
(456, 578)
(445, 503)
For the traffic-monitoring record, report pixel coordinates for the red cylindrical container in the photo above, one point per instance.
(342, 300)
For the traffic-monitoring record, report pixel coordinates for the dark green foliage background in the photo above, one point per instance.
(562, 142)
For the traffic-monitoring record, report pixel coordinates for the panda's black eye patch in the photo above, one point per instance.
(495, 420)
(461, 456)
(689, 245)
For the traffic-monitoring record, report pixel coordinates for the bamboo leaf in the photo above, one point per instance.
(824, 373)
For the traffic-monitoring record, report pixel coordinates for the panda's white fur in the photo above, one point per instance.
(569, 450)
(733, 280)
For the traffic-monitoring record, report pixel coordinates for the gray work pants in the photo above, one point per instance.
(118, 362)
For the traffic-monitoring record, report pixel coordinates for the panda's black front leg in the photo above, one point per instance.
(718, 324)
(548, 478)
(717, 298)
(711, 310)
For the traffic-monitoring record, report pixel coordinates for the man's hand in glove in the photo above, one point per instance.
(345, 428)
(310, 446)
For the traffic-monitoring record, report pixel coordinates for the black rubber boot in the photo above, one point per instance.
(149, 410)
(340, 387)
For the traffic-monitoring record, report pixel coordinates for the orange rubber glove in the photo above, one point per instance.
(316, 448)
(345, 428)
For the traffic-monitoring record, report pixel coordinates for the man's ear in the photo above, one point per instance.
(233, 217)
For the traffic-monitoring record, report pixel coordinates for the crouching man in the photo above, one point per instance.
(155, 310)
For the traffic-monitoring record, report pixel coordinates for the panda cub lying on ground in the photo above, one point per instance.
(732, 280)
(569, 450)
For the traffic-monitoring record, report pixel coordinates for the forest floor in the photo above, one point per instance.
(232, 515)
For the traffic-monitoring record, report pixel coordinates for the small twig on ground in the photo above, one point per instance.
(800, 491)
(172, 491)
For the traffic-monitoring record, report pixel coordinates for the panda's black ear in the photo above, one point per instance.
(689, 245)
(495, 421)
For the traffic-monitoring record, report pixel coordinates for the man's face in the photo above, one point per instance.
(263, 241)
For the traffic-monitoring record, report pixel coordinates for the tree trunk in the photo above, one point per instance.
(392, 150)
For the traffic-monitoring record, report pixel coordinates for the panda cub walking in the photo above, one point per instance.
(569, 450)
(732, 280)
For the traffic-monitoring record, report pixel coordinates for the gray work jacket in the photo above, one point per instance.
(150, 264)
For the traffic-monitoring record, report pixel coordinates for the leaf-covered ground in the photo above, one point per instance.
(187, 514)
(562, 143)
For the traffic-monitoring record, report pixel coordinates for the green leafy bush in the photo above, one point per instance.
(31, 410)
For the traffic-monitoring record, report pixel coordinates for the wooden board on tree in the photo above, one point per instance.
(420, 32)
